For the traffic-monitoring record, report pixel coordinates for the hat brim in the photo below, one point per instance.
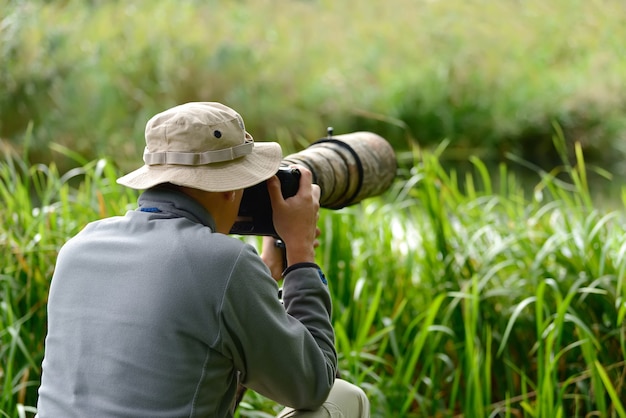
(241, 173)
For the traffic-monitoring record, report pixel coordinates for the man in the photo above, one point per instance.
(160, 314)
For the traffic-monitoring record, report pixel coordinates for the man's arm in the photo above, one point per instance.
(286, 353)
(310, 357)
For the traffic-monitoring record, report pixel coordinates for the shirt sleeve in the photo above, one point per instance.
(285, 353)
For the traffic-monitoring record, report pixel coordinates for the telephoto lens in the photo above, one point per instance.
(348, 168)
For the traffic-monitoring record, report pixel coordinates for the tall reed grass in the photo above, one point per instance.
(455, 294)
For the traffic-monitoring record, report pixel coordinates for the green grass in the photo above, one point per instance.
(454, 294)
(489, 77)
(492, 302)
(459, 292)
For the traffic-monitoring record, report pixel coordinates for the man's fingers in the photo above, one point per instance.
(273, 188)
(318, 232)
(317, 192)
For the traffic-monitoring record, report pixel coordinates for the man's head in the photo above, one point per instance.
(204, 146)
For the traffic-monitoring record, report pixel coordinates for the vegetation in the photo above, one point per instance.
(489, 76)
(475, 300)
(457, 293)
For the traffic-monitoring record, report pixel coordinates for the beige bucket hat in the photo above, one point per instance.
(203, 145)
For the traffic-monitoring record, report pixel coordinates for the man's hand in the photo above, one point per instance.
(295, 218)
(272, 256)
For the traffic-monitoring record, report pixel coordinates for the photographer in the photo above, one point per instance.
(159, 313)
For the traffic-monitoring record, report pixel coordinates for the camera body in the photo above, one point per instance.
(348, 168)
(255, 211)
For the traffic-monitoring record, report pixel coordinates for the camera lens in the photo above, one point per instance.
(348, 168)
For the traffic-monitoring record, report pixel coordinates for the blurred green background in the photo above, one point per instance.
(492, 77)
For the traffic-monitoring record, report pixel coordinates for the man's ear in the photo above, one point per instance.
(230, 195)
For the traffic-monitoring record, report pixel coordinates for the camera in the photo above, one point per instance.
(255, 211)
(348, 168)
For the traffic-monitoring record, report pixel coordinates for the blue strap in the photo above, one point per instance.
(302, 265)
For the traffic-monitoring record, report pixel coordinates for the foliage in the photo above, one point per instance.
(492, 303)
(453, 296)
(492, 77)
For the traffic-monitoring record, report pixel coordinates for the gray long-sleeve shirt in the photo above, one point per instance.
(152, 314)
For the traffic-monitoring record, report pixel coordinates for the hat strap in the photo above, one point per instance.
(197, 158)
